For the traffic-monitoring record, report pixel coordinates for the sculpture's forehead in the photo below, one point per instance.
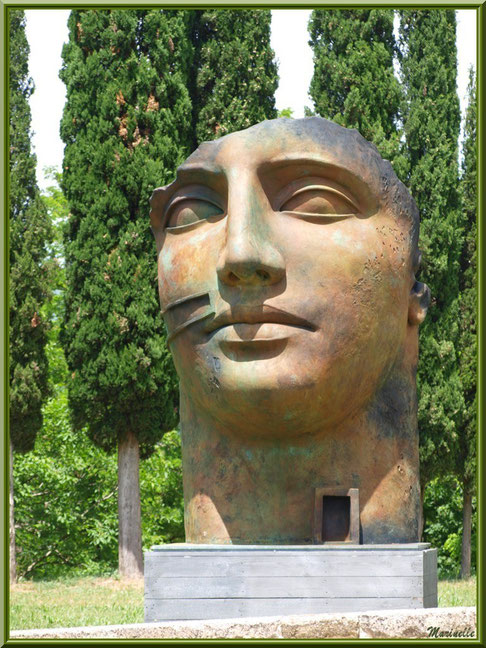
(313, 138)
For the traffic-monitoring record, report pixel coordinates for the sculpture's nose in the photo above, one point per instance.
(249, 256)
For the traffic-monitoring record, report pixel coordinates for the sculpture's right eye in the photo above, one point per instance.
(184, 211)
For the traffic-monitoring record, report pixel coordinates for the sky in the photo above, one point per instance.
(47, 31)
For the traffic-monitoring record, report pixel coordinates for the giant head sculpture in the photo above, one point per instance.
(287, 255)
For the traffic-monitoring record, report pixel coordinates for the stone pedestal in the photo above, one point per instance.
(184, 582)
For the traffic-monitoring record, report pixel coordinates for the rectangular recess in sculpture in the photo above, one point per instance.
(336, 515)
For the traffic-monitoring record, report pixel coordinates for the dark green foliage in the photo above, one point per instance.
(235, 75)
(443, 524)
(431, 122)
(29, 235)
(465, 467)
(465, 453)
(353, 82)
(126, 126)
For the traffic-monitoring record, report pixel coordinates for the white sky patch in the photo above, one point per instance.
(47, 31)
(289, 40)
(466, 49)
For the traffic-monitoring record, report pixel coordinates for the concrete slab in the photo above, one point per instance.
(458, 622)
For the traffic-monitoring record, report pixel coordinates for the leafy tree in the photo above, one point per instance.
(286, 112)
(443, 504)
(66, 499)
(126, 126)
(465, 454)
(29, 278)
(431, 123)
(235, 75)
(161, 489)
(354, 82)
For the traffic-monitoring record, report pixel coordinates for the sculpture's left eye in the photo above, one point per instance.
(319, 202)
(187, 211)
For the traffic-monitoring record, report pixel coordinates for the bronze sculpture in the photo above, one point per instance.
(287, 256)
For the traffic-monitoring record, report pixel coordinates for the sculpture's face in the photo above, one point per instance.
(284, 278)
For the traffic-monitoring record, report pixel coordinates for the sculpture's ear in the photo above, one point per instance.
(418, 303)
(157, 202)
(419, 295)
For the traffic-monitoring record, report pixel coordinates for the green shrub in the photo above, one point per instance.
(443, 525)
(66, 500)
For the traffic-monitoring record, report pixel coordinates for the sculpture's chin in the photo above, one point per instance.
(258, 403)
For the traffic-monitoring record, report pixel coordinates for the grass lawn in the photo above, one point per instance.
(454, 593)
(106, 601)
(76, 602)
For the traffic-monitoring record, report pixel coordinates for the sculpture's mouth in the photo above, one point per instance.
(262, 314)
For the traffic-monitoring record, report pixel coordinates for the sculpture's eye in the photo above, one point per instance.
(185, 211)
(319, 202)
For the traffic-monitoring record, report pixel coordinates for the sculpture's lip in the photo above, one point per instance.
(262, 314)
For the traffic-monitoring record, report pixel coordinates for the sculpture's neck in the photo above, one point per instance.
(258, 491)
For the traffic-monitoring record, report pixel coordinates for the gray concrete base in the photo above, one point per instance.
(458, 622)
(188, 582)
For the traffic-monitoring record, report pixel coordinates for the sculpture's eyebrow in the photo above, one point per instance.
(297, 159)
(195, 172)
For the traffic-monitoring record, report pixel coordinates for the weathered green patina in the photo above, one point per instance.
(287, 257)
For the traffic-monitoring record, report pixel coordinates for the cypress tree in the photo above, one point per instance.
(126, 126)
(29, 234)
(235, 75)
(465, 455)
(353, 82)
(431, 122)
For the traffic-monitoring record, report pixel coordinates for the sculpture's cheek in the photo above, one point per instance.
(187, 263)
(363, 316)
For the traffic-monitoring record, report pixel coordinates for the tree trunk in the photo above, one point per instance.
(421, 513)
(130, 563)
(13, 561)
(466, 532)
